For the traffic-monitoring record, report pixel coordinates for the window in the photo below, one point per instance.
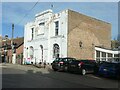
(32, 33)
(56, 51)
(97, 53)
(42, 23)
(103, 54)
(109, 55)
(56, 28)
(80, 44)
(41, 28)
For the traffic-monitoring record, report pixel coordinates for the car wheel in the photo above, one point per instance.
(83, 72)
(54, 69)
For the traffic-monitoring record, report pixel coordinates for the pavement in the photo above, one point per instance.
(27, 67)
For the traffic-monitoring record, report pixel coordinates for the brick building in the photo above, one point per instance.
(84, 33)
(65, 34)
(18, 50)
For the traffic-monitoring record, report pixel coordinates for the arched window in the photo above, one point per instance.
(56, 50)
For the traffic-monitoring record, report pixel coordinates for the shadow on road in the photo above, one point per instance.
(47, 78)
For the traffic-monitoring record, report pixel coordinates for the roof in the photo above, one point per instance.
(107, 48)
(17, 42)
(89, 16)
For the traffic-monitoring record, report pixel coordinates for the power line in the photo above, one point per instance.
(28, 12)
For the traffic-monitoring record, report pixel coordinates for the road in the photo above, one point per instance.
(25, 76)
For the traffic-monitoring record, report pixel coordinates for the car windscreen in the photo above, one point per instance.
(57, 59)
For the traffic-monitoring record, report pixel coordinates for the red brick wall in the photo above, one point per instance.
(19, 50)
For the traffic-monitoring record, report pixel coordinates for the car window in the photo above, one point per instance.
(75, 61)
(70, 59)
(57, 59)
(61, 59)
(85, 61)
(92, 62)
(64, 59)
(67, 59)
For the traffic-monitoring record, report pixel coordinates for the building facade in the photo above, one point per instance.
(64, 34)
(12, 55)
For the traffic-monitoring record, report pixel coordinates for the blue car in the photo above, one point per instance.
(110, 69)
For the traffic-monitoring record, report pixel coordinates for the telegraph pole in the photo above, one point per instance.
(12, 38)
(12, 30)
(12, 45)
(6, 37)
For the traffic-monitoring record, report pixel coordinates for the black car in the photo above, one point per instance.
(82, 66)
(110, 69)
(61, 64)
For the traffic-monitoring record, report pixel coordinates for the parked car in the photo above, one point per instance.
(82, 66)
(110, 69)
(60, 64)
(98, 64)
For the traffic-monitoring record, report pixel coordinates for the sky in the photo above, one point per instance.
(13, 12)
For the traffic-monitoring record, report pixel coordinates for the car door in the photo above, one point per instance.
(70, 66)
(86, 65)
(91, 66)
(73, 65)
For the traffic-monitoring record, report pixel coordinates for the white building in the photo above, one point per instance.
(66, 34)
(102, 54)
(46, 37)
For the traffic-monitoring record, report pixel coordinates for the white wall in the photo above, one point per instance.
(61, 39)
(48, 38)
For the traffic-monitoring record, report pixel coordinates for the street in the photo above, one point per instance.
(27, 76)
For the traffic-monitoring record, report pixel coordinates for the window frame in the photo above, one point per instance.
(56, 28)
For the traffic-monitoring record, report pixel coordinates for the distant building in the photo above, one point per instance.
(115, 44)
(18, 50)
(64, 34)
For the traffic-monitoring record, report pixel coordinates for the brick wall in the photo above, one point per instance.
(9, 56)
(19, 50)
(90, 31)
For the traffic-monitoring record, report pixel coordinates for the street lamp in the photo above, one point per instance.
(5, 49)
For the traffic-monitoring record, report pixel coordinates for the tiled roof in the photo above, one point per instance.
(17, 42)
